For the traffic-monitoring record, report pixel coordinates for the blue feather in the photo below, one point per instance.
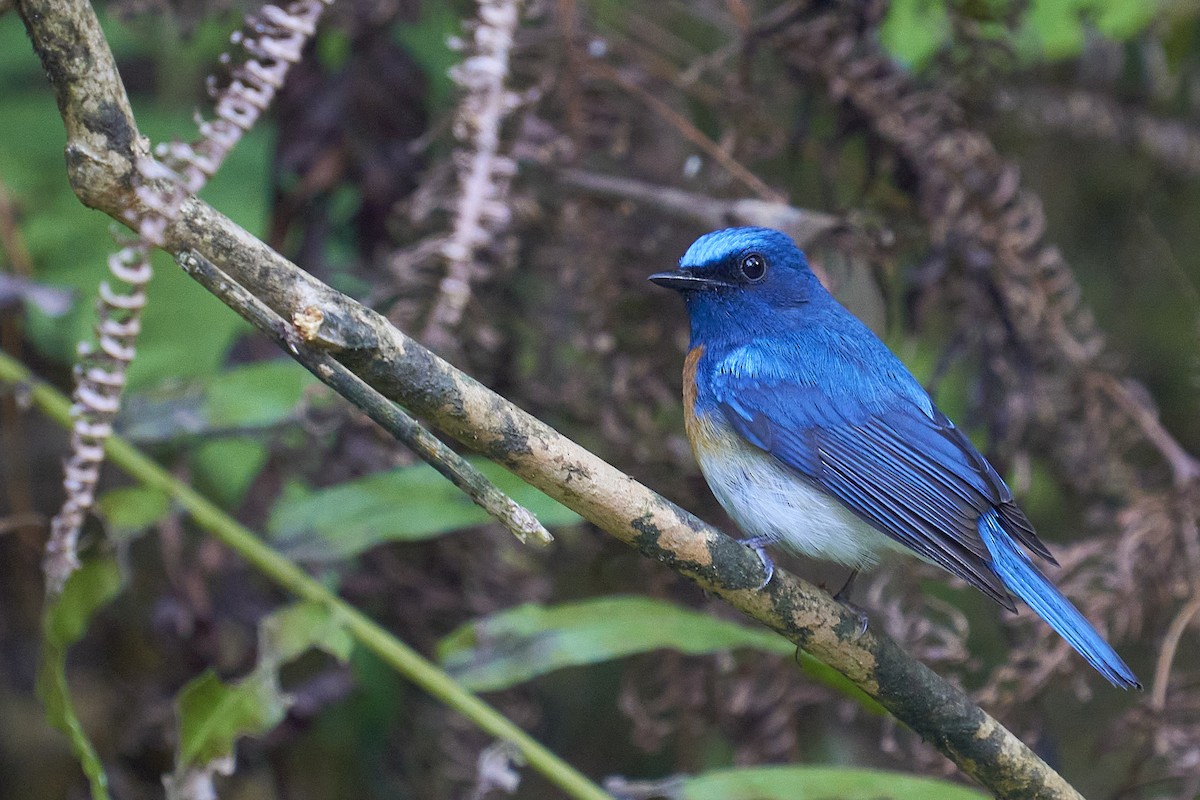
(1028, 583)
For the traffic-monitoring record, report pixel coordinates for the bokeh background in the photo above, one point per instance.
(1008, 192)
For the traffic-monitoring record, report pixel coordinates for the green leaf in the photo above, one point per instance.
(1056, 28)
(513, 646)
(914, 30)
(224, 469)
(256, 395)
(130, 511)
(1124, 19)
(289, 632)
(252, 396)
(407, 504)
(214, 714)
(815, 783)
(66, 619)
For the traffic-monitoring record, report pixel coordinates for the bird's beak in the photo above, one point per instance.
(683, 282)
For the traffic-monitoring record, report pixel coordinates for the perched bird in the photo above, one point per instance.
(813, 435)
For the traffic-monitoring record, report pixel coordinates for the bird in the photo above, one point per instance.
(814, 436)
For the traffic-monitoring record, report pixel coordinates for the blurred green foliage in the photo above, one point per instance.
(1045, 30)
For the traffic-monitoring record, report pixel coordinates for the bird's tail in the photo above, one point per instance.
(1027, 582)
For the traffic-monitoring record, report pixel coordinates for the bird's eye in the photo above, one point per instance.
(753, 267)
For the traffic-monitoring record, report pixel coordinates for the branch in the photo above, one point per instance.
(1171, 144)
(519, 520)
(802, 224)
(404, 371)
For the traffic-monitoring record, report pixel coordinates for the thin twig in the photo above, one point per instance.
(1166, 653)
(801, 224)
(293, 338)
(686, 129)
(20, 522)
(1185, 468)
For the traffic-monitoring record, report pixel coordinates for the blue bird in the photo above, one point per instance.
(812, 434)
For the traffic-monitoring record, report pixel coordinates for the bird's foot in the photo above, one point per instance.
(759, 545)
(843, 596)
(864, 622)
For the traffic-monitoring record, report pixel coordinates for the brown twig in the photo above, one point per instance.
(1184, 467)
(1170, 645)
(21, 521)
(1174, 145)
(803, 225)
(686, 129)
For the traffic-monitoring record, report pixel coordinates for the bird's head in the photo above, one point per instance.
(740, 277)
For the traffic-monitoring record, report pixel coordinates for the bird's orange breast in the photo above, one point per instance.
(706, 437)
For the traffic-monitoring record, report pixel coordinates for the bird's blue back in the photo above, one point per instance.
(790, 395)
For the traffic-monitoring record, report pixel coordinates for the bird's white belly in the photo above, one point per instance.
(767, 499)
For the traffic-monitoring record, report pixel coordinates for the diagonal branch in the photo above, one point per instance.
(92, 99)
(519, 520)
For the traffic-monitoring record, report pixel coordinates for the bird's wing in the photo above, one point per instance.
(897, 463)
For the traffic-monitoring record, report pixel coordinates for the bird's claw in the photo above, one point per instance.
(843, 597)
(863, 621)
(759, 545)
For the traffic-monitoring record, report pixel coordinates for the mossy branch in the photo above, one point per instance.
(102, 145)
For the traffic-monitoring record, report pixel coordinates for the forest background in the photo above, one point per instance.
(1007, 192)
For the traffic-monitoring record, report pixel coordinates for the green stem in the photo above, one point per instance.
(367, 632)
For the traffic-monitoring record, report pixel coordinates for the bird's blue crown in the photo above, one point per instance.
(719, 247)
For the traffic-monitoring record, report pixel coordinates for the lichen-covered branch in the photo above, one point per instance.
(408, 373)
(404, 371)
(293, 336)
